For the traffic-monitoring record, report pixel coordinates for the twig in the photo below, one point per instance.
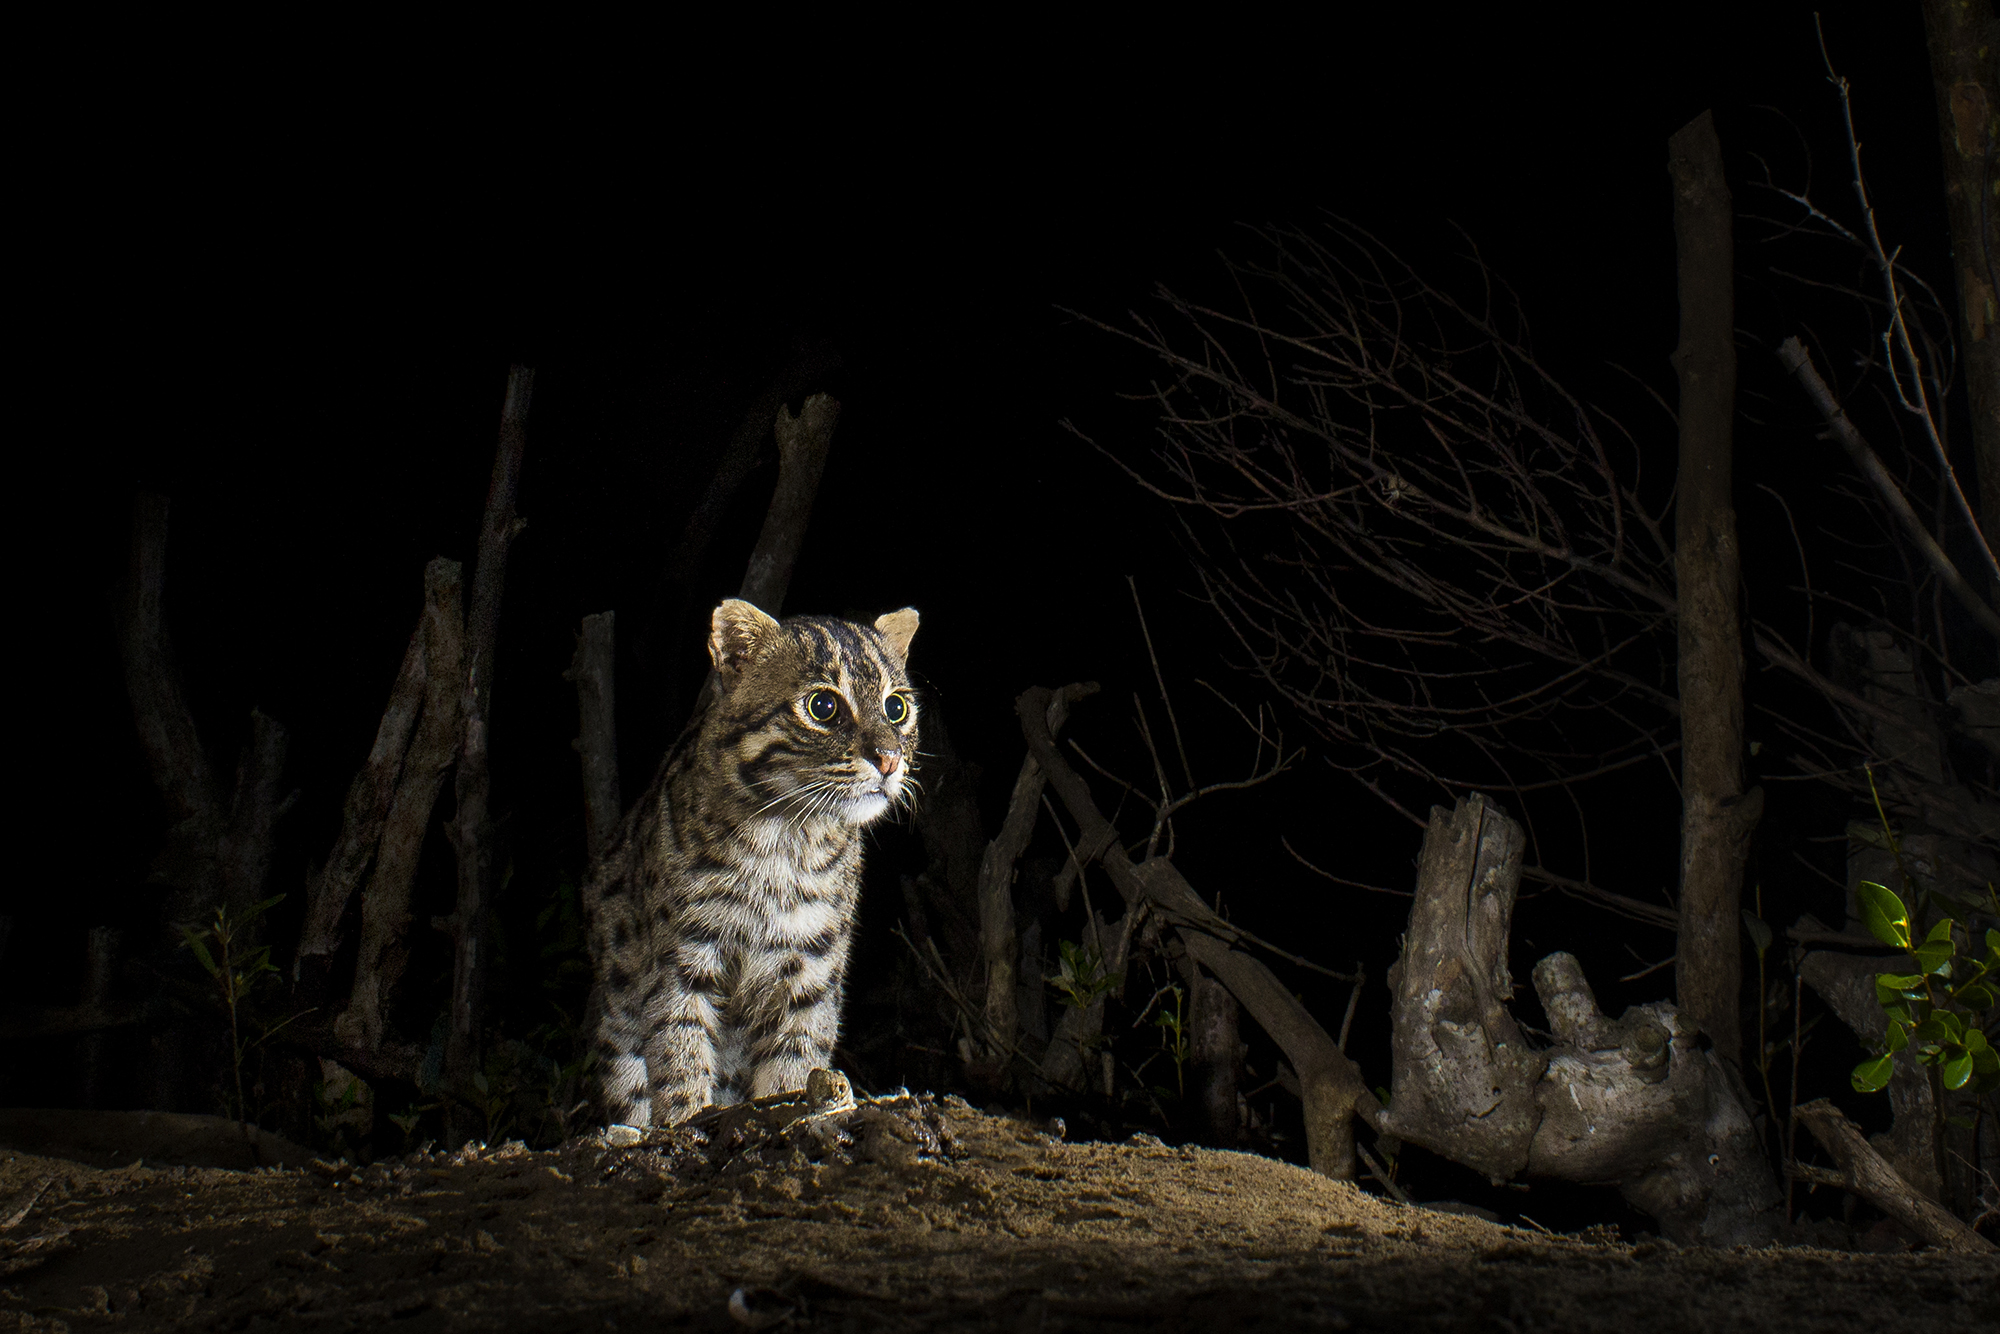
(1794, 357)
(1868, 1175)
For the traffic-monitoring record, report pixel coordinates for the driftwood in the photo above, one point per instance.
(593, 670)
(1639, 1101)
(385, 903)
(1869, 1176)
(1718, 816)
(472, 829)
(1332, 1088)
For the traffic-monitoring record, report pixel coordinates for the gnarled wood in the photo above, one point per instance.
(1638, 1101)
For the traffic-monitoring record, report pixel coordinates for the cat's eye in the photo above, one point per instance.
(896, 708)
(822, 706)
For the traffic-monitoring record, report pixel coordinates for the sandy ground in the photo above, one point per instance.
(917, 1215)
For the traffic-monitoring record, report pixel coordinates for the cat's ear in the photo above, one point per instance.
(737, 634)
(897, 629)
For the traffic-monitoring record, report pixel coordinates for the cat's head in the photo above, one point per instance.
(821, 720)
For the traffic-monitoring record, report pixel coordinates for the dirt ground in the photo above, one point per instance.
(906, 1215)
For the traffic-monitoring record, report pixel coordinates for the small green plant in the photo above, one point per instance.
(236, 970)
(1941, 1012)
(1081, 978)
(1174, 1038)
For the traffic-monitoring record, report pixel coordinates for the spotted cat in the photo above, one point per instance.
(721, 918)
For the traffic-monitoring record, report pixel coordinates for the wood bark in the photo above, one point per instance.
(593, 670)
(999, 946)
(1638, 1101)
(1962, 36)
(1794, 357)
(1216, 1048)
(385, 902)
(1870, 1177)
(366, 809)
(1464, 1074)
(803, 442)
(1718, 817)
(472, 830)
(1332, 1088)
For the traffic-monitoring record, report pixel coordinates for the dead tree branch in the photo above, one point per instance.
(1869, 1176)
(472, 832)
(1333, 1090)
(385, 902)
(1411, 531)
(1794, 357)
(329, 891)
(1718, 816)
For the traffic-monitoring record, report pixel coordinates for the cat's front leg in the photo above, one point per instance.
(796, 1029)
(680, 1053)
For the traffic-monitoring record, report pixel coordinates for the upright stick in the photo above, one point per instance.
(1717, 815)
(472, 832)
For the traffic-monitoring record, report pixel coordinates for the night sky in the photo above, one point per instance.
(293, 313)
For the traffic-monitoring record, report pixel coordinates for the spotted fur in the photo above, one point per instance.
(720, 921)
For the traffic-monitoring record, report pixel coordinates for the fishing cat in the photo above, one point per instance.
(721, 918)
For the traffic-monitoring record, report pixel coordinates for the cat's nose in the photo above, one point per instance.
(888, 761)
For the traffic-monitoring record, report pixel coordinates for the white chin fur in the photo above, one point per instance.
(862, 809)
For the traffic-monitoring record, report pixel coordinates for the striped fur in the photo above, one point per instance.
(720, 921)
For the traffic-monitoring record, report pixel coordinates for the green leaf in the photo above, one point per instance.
(1934, 959)
(1899, 1013)
(1898, 1037)
(1888, 986)
(479, 1080)
(1993, 940)
(1957, 1071)
(1942, 931)
(1759, 929)
(1872, 1076)
(194, 941)
(1886, 917)
(1975, 1041)
(256, 910)
(1978, 995)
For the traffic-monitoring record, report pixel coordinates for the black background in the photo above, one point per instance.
(287, 298)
